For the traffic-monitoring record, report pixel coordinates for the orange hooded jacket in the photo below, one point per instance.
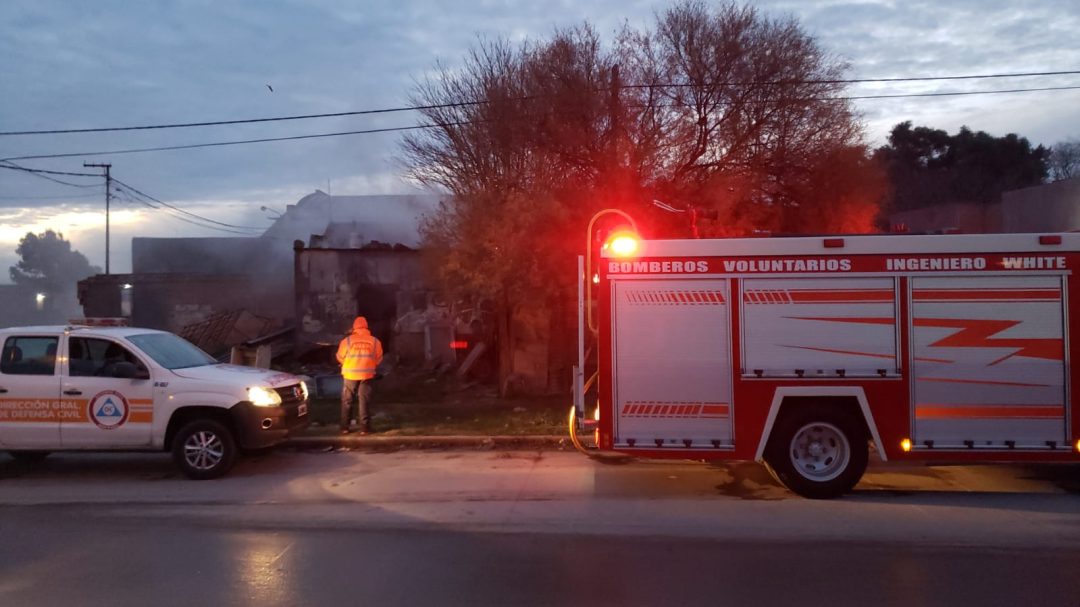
(360, 352)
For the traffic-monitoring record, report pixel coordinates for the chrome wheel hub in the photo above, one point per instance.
(820, 451)
(203, 450)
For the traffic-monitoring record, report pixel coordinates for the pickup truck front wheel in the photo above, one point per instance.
(204, 449)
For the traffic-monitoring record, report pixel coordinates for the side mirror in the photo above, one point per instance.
(124, 370)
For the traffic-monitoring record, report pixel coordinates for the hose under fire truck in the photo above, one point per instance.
(573, 422)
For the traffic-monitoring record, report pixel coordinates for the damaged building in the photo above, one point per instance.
(219, 291)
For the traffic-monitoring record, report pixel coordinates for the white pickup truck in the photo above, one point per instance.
(68, 388)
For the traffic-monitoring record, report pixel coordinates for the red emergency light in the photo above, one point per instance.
(623, 243)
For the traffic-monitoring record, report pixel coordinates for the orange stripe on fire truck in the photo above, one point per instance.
(674, 409)
(966, 295)
(930, 411)
(808, 296)
(987, 382)
(664, 297)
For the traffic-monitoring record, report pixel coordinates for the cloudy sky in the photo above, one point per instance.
(111, 63)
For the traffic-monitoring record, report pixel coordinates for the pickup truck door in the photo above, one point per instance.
(30, 407)
(114, 412)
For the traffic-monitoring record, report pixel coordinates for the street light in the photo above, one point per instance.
(125, 299)
(39, 298)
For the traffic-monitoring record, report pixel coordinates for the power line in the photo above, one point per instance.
(128, 196)
(38, 174)
(132, 190)
(896, 96)
(128, 190)
(960, 93)
(848, 80)
(964, 77)
(414, 108)
(137, 192)
(48, 197)
(29, 170)
(185, 220)
(463, 123)
(241, 142)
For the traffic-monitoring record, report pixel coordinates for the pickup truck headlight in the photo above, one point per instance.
(263, 397)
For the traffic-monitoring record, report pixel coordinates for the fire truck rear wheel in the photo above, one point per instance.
(817, 452)
(204, 449)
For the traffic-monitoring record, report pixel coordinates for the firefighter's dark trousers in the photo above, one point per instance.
(358, 390)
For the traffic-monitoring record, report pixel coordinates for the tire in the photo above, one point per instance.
(818, 452)
(29, 457)
(204, 449)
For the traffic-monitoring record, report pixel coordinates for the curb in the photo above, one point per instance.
(350, 441)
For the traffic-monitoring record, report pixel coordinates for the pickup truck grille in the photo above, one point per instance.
(290, 394)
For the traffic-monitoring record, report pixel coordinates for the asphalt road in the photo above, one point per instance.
(521, 528)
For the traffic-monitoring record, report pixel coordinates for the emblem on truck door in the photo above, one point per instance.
(108, 409)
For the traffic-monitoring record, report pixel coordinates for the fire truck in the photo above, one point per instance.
(806, 353)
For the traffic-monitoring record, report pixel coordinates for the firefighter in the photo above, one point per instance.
(359, 354)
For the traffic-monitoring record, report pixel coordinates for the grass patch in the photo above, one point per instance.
(427, 406)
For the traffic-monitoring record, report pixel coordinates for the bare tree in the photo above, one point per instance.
(750, 99)
(1064, 160)
(520, 147)
(722, 108)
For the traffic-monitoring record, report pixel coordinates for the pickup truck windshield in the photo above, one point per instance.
(171, 351)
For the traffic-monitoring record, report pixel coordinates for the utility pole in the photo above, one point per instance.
(108, 196)
(616, 114)
(618, 170)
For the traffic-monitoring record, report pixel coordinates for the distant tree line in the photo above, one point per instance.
(929, 167)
